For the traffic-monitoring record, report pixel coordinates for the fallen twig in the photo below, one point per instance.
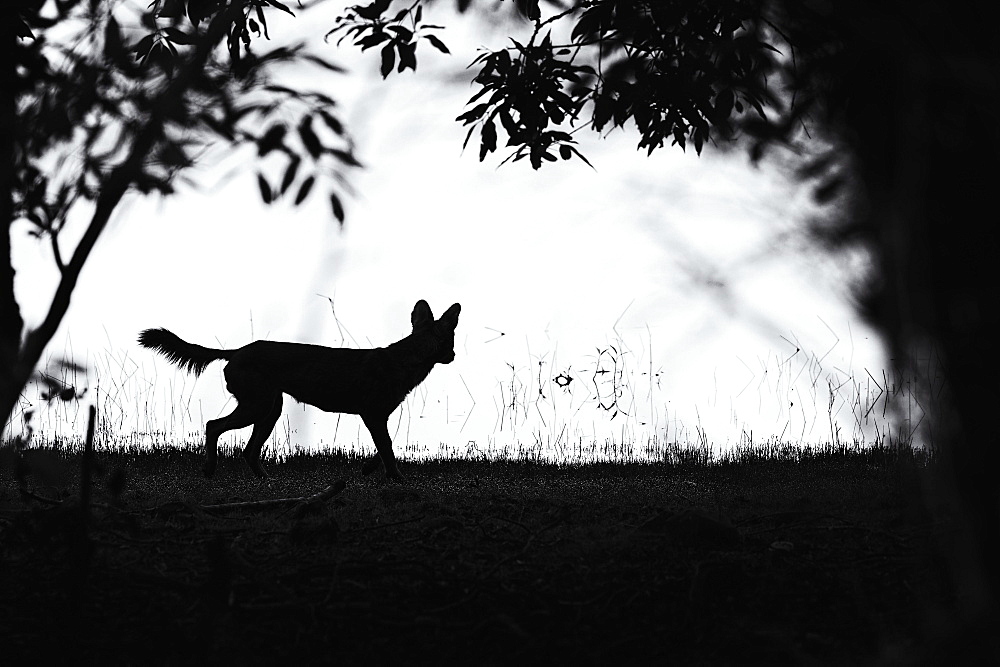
(298, 504)
(28, 493)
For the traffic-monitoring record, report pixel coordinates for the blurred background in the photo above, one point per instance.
(606, 311)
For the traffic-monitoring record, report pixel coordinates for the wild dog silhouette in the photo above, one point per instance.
(370, 383)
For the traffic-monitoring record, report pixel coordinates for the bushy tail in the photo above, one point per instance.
(190, 357)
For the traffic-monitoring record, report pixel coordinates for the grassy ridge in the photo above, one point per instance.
(765, 557)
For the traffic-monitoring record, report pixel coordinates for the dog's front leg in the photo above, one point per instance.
(379, 429)
(371, 465)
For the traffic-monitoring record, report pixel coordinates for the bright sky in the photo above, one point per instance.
(691, 272)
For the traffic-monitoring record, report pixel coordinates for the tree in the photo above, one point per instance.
(111, 99)
(905, 98)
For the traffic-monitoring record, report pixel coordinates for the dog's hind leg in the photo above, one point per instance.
(261, 429)
(242, 416)
(255, 405)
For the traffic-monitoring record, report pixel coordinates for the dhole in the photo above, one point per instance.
(369, 383)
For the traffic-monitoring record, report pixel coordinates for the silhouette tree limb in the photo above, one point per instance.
(22, 363)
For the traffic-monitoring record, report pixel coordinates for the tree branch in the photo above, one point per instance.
(56, 253)
(11, 322)
(23, 363)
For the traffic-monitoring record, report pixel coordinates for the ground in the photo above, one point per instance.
(769, 562)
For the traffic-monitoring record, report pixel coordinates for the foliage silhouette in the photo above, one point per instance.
(110, 99)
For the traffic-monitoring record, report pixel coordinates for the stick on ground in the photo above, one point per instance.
(300, 503)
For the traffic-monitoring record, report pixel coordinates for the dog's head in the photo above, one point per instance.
(441, 331)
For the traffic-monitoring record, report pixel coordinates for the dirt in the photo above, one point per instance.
(824, 562)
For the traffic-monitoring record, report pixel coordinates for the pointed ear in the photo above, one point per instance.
(450, 316)
(421, 314)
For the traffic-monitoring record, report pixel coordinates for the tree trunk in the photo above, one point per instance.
(10, 314)
(924, 121)
(19, 361)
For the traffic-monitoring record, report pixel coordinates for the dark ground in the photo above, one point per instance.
(823, 562)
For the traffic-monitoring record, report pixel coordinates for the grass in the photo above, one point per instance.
(606, 406)
(772, 555)
(562, 547)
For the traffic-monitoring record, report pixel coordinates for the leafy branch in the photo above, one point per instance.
(129, 103)
(527, 94)
(677, 70)
(369, 27)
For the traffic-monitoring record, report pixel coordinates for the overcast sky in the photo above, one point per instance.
(692, 274)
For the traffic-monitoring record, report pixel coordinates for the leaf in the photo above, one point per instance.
(508, 122)
(565, 152)
(271, 140)
(278, 5)
(112, 38)
(828, 189)
(528, 9)
(437, 43)
(374, 10)
(724, 104)
(290, 172)
(407, 57)
(173, 155)
(588, 23)
(345, 156)
(332, 122)
(474, 114)
(198, 11)
(373, 39)
(309, 138)
(535, 157)
(467, 137)
(603, 110)
(291, 92)
(504, 62)
(489, 139)
(177, 36)
(580, 155)
(482, 91)
(304, 190)
(21, 29)
(338, 209)
(388, 60)
(769, 47)
(143, 46)
(325, 64)
(679, 138)
(263, 21)
(265, 189)
(404, 34)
